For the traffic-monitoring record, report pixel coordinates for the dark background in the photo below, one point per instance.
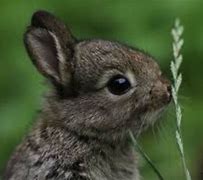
(145, 24)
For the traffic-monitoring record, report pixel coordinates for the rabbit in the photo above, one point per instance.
(99, 91)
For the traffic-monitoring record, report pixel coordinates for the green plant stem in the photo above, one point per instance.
(177, 78)
(137, 147)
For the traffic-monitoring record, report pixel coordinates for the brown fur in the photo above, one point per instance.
(82, 131)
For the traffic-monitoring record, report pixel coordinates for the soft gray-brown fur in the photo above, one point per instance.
(82, 130)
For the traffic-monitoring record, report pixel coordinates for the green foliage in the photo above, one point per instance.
(139, 149)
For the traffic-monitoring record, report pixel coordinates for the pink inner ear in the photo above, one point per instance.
(43, 52)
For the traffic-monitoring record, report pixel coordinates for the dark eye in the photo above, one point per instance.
(118, 85)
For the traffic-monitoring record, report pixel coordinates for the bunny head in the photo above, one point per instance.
(100, 89)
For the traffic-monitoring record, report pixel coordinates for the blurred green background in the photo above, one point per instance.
(145, 24)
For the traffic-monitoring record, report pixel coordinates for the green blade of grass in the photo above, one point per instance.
(177, 32)
(145, 156)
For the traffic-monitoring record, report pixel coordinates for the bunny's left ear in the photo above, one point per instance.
(50, 45)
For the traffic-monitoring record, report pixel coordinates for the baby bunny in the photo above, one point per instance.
(99, 91)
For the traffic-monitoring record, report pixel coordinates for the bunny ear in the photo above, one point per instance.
(50, 45)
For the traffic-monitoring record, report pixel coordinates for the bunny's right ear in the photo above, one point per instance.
(50, 45)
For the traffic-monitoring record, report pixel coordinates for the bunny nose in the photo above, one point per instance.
(166, 89)
(169, 93)
(162, 91)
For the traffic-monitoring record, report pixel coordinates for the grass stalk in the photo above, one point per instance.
(145, 156)
(177, 32)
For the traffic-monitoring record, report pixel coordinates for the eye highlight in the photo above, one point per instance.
(118, 85)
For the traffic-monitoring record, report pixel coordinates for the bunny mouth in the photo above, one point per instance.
(145, 120)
